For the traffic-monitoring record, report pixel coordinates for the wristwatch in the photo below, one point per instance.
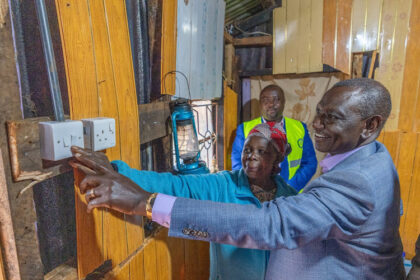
(149, 205)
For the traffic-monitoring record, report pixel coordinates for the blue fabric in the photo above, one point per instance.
(307, 166)
(226, 261)
(345, 224)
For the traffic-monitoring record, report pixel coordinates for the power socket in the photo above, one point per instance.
(56, 138)
(99, 133)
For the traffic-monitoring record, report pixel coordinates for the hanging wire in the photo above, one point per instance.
(186, 80)
(250, 33)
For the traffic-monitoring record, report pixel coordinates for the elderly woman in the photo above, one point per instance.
(265, 147)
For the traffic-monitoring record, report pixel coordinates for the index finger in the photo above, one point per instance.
(77, 150)
(90, 163)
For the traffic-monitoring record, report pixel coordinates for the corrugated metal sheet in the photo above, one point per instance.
(240, 9)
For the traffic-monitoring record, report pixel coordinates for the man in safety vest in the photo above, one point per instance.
(300, 165)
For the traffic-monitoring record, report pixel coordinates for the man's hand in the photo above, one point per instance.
(103, 187)
(90, 156)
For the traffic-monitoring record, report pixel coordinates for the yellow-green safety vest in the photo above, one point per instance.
(295, 132)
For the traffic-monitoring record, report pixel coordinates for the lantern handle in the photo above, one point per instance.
(174, 72)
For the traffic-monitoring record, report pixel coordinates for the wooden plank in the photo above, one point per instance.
(168, 45)
(2, 275)
(163, 256)
(373, 20)
(153, 121)
(228, 63)
(357, 66)
(391, 141)
(25, 155)
(292, 15)
(150, 265)
(405, 169)
(366, 18)
(358, 22)
(412, 220)
(409, 118)
(398, 61)
(343, 37)
(119, 231)
(315, 59)
(106, 102)
(137, 267)
(304, 36)
(9, 261)
(394, 31)
(228, 38)
(329, 24)
(279, 39)
(196, 260)
(108, 107)
(204, 257)
(66, 271)
(83, 98)
(177, 250)
(104, 71)
(230, 122)
(79, 60)
(381, 137)
(259, 41)
(372, 64)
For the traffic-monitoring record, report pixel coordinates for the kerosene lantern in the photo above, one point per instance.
(187, 151)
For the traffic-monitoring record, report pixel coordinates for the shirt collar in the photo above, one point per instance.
(330, 161)
(281, 122)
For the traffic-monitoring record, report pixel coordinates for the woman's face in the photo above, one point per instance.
(259, 158)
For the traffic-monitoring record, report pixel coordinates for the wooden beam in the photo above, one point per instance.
(228, 38)
(153, 121)
(9, 265)
(260, 41)
(25, 155)
(258, 72)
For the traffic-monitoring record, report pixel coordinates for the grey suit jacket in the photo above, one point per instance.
(343, 226)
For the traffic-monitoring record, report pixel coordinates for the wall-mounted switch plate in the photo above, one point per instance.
(99, 133)
(56, 138)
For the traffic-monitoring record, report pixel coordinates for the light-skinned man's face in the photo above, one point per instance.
(338, 125)
(272, 104)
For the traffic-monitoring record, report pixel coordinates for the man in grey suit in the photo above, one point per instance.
(343, 226)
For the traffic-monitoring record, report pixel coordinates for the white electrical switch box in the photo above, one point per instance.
(56, 138)
(99, 133)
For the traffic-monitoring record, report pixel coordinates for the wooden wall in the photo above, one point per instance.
(297, 37)
(336, 37)
(100, 82)
(404, 142)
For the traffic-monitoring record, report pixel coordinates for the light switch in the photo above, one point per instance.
(99, 133)
(56, 138)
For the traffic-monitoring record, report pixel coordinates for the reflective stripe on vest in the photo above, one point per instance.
(295, 133)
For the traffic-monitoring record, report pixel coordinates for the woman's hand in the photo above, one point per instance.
(103, 187)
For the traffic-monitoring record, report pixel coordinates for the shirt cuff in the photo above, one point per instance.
(162, 209)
